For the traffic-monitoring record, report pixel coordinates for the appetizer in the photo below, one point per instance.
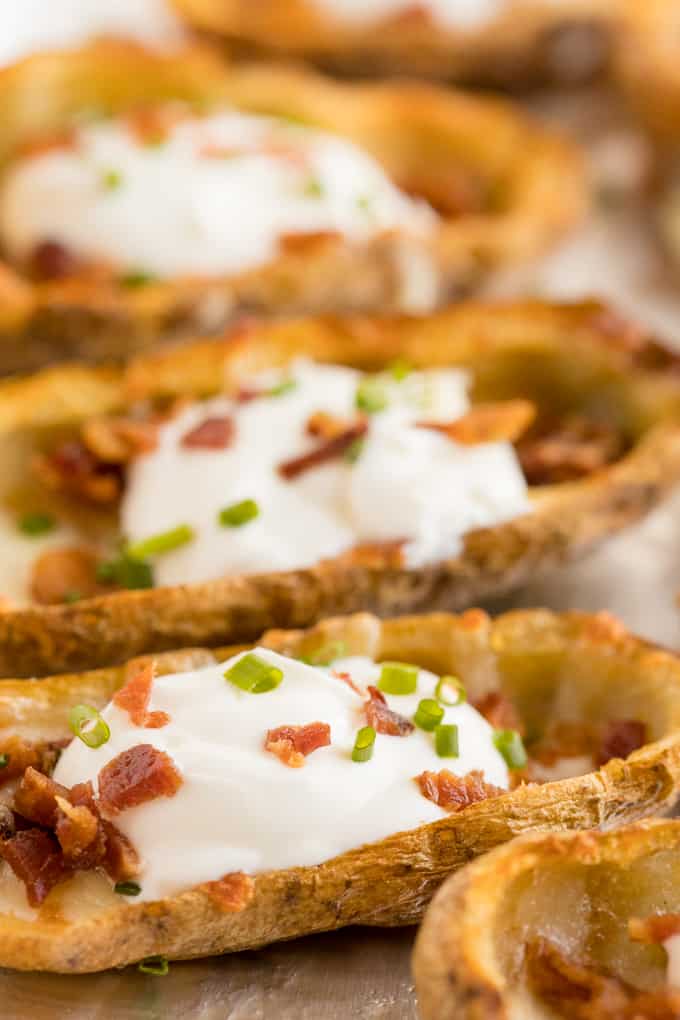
(580, 926)
(510, 42)
(289, 471)
(149, 195)
(209, 802)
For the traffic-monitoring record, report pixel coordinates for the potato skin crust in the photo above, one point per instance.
(647, 65)
(387, 883)
(533, 182)
(576, 350)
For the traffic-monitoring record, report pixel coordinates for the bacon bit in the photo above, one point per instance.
(565, 740)
(245, 394)
(327, 426)
(36, 798)
(279, 148)
(328, 450)
(375, 555)
(72, 469)
(232, 893)
(292, 744)
(619, 739)
(453, 793)
(212, 151)
(134, 697)
(22, 754)
(382, 718)
(77, 829)
(211, 434)
(487, 423)
(500, 712)
(412, 16)
(574, 449)
(45, 145)
(474, 619)
(654, 930)
(121, 860)
(347, 679)
(151, 125)
(51, 260)
(304, 243)
(59, 572)
(136, 776)
(35, 858)
(119, 440)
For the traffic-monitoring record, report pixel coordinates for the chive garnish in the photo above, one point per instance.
(163, 542)
(325, 655)
(364, 203)
(72, 596)
(510, 744)
(313, 188)
(126, 572)
(238, 514)
(446, 740)
(37, 523)
(127, 888)
(4, 761)
(87, 724)
(398, 678)
(354, 450)
(364, 744)
(111, 180)
(399, 369)
(371, 395)
(429, 714)
(450, 691)
(285, 386)
(136, 278)
(156, 965)
(254, 675)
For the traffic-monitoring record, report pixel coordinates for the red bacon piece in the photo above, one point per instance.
(620, 738)
(232, 893)
(21, 754)
(499, 711)
(52, 260)
(36, 798)
(134, 696)
(35, 858)
(453, 793)
(329, 450)
(347, 679)
(212, 434)
(136, 776)
(381, 717)
(292, 744)
(121, 860)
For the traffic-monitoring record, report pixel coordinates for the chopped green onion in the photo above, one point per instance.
(364, 203)
(112, 180)
(313, 188)
(136, 278)
(371, 395)
(254, 675)
(280, 390)
(326, 654)
(446, 740)
(364, 744)
(450, 691)
(127, 888)
(163, 542)
(73, 596)
(126, 572)
(156, 965)
(37, 523)
(510, 744)
(4, 761)
(354, 450)
(87, 724)
(429, 714)
(398, 678)
(238, 514)
(399, 369)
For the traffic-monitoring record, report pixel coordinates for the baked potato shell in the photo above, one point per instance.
(436, 143)
(647, 64)
(530, 40)
(577, 890)
(567, 358)
(571, 666)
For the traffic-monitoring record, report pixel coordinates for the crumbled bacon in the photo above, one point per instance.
(453, 793)
(36, 859)
(347, 679)
(303, 242)
(215, 433)
(573, 449)
(232, 893)
(292, 744)
(21, 754)
(59, 573)
(45, 145)
(488, 423)
(151, 125)
(381, 717)
(136, 776)
(36, 798)
(134, 697)
(620, 738)
(328, 450)
(119, 440)
(121, 860)
(655, 929)
(499, 711)
(322, 425)
(51, 260)
(79, 833)
(72, 469)
(565, 739)
(387, 555)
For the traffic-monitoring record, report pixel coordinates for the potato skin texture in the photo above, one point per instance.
(647, 65)
(390, 882)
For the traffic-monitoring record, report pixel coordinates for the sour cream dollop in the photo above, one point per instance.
(407, 483)
(215, 197)
(240, 808)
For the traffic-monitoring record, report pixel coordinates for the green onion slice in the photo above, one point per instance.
(429, 714)
(112, 180)
(510, 744)
(238, 514)
(4, 761)
(399, 369)
(37, 523)
(254, 675)
(73, 596)
(136, 278)
(326, 654)
(127, 888)
(282, 388)
(450, 691)
(446, 740)
(398, 678)
(126, 572)
(87, 724)
(364, 744)
(156, 965)
(163, 542)
(313, 188)
(371, 395)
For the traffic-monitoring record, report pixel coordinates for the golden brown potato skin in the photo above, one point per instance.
(647, 64)
(429, 140)
(543, 661)
(521, 45)
(584, 887)
(557, 356)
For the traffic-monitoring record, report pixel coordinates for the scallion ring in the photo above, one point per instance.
(510, 744)
(371, 395)
(127, 888)
(398, 678)
(156, 965)
(364, 744)
(282, 388)
(446, 740)
(429, 714)
(253, 675)
(450, 691)
(238, 514)
(87, 724)
(163, 542)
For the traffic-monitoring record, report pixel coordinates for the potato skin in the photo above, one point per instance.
(390, 882)
(647, 65)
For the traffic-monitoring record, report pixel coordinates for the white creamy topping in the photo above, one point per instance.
(214, 198)
(408, 483)
(240, 807)
(672, 947)
(452, 14)
(27, 26)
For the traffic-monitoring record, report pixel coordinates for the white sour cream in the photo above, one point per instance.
(452, 14)
(214, 198)
(672, 947)
(27, 26)
(240, 807)
(408, 483)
